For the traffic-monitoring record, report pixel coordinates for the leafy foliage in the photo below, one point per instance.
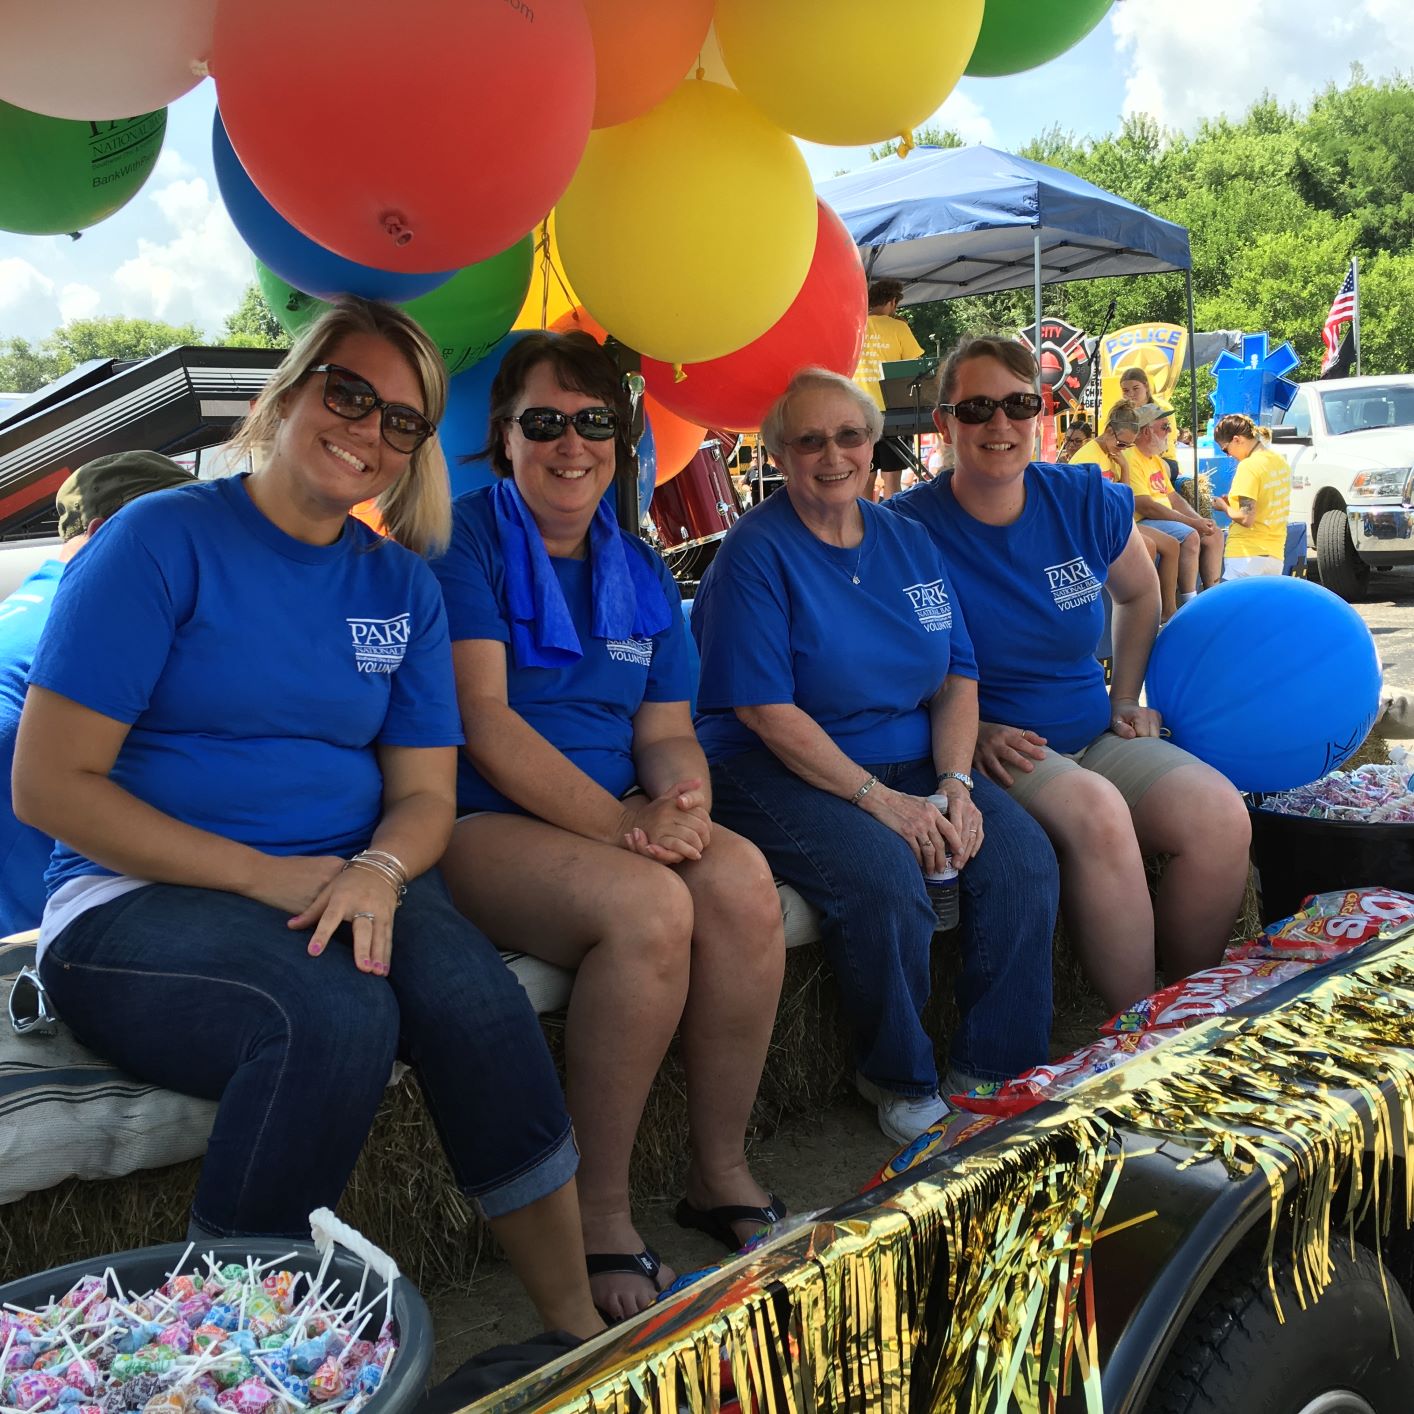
(252, 324)
(1275, 205)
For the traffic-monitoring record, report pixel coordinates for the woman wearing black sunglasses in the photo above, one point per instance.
(587, 837)
(242, 727)
(1032, 547)
(838, 707)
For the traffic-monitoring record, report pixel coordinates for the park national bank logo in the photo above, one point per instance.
(931, 604)
(379, 644)
(1072, 584)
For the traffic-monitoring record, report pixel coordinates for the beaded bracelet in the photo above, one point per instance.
(864, 790)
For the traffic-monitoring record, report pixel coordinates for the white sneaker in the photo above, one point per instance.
(903, 1117)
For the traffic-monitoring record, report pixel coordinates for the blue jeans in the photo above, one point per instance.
(210, 994)
(878, 929)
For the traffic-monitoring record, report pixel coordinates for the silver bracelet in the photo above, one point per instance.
(864, 790)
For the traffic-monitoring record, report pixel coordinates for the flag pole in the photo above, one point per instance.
(1355, 318)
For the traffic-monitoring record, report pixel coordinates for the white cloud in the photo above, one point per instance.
(964, 115)
(197, 275)
(27, 299)
(78, 301)
(1192, 61)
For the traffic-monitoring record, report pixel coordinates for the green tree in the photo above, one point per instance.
(253, 325)
(23, 367)
(112, 336)
(929, 136)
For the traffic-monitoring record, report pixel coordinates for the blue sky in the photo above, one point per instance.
(172, 253)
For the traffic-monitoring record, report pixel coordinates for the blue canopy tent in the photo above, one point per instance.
(961, 221)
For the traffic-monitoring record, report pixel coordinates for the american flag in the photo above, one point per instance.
(1342, 309)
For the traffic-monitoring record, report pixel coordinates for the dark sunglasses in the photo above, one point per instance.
(847, 438)
(1017, 406)
(347, 395)
(549, 424)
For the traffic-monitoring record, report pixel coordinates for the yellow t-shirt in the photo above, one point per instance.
(1265, 478)
(1147, 476)
(1111, 468)
(886, 340)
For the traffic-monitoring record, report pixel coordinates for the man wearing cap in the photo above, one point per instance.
(1158, 506)
(85, 500)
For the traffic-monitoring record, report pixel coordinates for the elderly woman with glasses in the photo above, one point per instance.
(838, 707)
(587, 834)
(242, 729)
(1031, 548)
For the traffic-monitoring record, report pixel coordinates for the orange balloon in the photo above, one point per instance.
(641, 52)
(370, 515)
(675, 438)
(549, 295)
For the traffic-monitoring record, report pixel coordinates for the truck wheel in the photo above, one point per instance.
(1343, 572)
(1335, 1357)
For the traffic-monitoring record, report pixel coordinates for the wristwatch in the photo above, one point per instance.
(955, 776)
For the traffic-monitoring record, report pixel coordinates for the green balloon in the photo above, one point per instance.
(464, 318)
(1020, 34)
(293, 308)
(476, 307)
(58, 175)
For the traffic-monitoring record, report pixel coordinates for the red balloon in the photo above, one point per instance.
(675, 438)
(823, 328)
(428, 141)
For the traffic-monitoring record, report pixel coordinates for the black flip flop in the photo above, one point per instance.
(717, 1222)
(646, 1263)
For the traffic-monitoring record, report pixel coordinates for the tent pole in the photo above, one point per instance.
(1192, 381)
(1036, 270)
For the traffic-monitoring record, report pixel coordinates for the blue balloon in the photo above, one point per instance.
(467, 420)
(296, 259)
(1272, 681)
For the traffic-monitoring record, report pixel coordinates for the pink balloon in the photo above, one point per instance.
(823, 328)
(95, 59)
(413, 137)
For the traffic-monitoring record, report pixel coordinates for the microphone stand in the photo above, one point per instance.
(1096, 378)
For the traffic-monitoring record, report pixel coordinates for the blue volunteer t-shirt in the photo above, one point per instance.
(24, 852)
(779, 619)
(258, 673)
(1036, 584)
(585, 710)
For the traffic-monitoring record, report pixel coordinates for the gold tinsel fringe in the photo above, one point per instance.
(968, 1289)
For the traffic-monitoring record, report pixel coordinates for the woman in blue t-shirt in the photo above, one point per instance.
(588, 837)
(838, 694)
(242, 728)
(1032, 548)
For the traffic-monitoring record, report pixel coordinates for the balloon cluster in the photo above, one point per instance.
(419, 162)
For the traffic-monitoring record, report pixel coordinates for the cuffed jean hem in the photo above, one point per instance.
(538, 1179)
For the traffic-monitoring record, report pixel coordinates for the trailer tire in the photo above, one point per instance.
(1335, 1357)
(1343, 572)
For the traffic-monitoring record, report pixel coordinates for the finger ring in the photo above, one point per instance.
(372, 917)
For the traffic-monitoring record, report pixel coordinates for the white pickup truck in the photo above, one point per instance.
(1350, 443)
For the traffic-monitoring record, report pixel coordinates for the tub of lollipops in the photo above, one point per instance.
(1350, 829)
(227, 1326)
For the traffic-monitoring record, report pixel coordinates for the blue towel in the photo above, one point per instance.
(628, 596)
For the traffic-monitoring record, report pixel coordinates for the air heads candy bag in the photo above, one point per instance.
(947, 1133)
(1207, 993)
(1329, 925)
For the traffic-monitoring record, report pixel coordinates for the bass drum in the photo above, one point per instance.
(699, 505)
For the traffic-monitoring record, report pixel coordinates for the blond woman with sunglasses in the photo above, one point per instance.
(1031, 548)
(242, 729)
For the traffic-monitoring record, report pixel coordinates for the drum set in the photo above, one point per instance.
(690, 514)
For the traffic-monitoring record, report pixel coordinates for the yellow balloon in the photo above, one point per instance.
(794, 60)
(550, 294)
(644, 247)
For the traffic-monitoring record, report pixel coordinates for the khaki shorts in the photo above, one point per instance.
(1131, 766)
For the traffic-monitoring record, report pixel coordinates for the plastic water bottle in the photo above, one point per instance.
(942, 887)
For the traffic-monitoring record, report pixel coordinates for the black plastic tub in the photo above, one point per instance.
(1296, 856)
(145, 1268)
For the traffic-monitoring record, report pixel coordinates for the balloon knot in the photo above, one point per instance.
(678, 375)
(700, 74)
(201, 68)
(905, 144)
(395, 224)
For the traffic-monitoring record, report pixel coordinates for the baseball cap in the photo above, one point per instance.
(106, 484)
(1150, 412)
